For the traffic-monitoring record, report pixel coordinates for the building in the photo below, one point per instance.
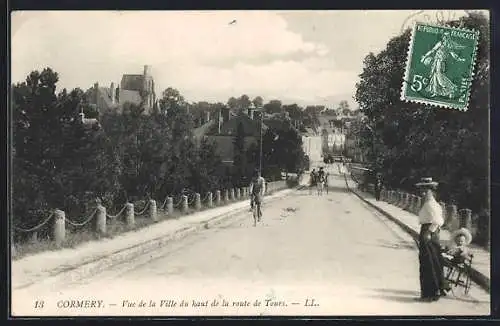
(224, 128)
(135, 89)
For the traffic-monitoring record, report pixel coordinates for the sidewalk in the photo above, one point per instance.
(409, 222)
(90, 257)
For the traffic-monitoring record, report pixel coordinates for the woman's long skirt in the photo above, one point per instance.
(431, 263)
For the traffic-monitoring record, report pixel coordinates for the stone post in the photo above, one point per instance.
(452, 219)
(419, 204)
(34, 237)
(170, 205)
(443, 207)
(399, 198)
(226, 195)
(185, 204)
(403, 200)
(217, 197)
(415, 204)
(59, 227)
(152, 210)
(382, 195)
(231, 194)
(466, 219)
(406, 201)
(209, 200)
(411, 203)
(129, 215)
(236, 193)
(101, 220)
(197, 201)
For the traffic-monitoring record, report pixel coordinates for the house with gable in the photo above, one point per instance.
(137, 89)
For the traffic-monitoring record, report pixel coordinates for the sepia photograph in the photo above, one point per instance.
(249, 163)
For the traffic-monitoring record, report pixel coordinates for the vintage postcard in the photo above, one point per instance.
(250, 163)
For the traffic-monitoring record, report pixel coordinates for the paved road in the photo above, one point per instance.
(332, 249)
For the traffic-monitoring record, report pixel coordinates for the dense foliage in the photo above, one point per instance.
(406, 141)
(58, 162)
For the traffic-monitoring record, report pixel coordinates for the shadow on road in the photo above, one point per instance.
(313, 191)
(399, 245)
(407, 296)
(397, 298)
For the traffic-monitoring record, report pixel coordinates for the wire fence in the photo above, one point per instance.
(477, 223)
(178, 201)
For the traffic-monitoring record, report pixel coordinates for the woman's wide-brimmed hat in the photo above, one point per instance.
(427, 183)
(462, 231)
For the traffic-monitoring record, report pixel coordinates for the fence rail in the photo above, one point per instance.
(477, 223)
(184, 203)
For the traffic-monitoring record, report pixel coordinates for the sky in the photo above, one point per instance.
(303, 57)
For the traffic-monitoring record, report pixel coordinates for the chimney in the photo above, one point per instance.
(219, 120)
(96, 94)
(112, 92)
(117, 95)
(147, 70)
(207, 116)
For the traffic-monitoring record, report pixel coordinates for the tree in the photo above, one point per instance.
(410, 140)
(232, 103)
(344, 107)
(244, 102)
(58, 162)
(171, 99)
(204, 174)
(273, 106)
(239, 160)
(258, 102)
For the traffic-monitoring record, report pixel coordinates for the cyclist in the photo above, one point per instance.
(257, 190)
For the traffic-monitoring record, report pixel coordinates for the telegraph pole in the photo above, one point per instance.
(261, 133)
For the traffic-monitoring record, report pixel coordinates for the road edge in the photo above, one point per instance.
(94, 266)
(479, 278)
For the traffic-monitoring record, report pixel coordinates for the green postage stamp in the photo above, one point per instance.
(440, 66)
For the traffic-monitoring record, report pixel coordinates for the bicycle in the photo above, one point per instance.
(256, 211)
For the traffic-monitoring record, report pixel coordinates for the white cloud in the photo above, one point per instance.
(277, 79)
(88, 46)
(201, 54)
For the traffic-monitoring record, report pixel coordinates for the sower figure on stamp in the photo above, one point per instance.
(439, 83)
(432, 284)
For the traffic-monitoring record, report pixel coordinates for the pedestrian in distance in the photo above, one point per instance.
(432, 283)
(312, 181)
(327, 174)
(320, 181)
(378, 186)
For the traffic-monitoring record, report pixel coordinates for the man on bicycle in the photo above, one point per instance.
(257, 190)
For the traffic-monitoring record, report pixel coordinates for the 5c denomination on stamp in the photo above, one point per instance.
(440, 66)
